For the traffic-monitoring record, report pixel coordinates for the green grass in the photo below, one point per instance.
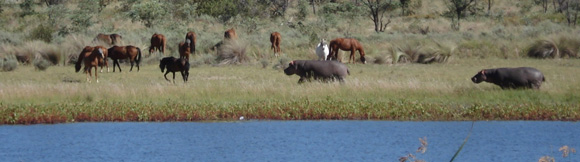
(377, 92)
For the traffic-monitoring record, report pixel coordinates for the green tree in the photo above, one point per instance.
(457, 7)
(221, 9)
(149, 12)
(377, 10)
(26, 8)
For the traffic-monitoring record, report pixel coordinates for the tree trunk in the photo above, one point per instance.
(313, 7)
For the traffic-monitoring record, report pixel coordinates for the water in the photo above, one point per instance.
(287, 141)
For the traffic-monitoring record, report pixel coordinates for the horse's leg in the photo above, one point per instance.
(174, 77)
(88, 71)
(130, 60)
(183, 76)
(167, 72)
(352, 53)
(96, 76)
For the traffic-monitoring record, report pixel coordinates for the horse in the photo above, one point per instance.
(184, 49)
(112, 39)
(230, 34)
(93, 60)
(275, 39)
(125, 52)
(322, 50)
(86, 52)
(192, 40)
(173, 65)
(346, 44)
(157, 43)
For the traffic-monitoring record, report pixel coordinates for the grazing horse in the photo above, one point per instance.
(93, 60)
(86, 52)
(157, 43)
(184, 49)
(192, 40)
(346, 44)
(230, 34)
(125, 52)
(275, 39)
(173, 64)
(112, 39)
(322, 50)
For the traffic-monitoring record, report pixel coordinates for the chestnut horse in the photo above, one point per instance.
(93, 60)
(157, 43)
(275, 39)
(184, 49)
(113, 39)
(125, 52)
(173, 64)
(230, 34)
(346, 44)
(86, 52)
(192, 39)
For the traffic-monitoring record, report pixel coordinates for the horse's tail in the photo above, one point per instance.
(138, 60)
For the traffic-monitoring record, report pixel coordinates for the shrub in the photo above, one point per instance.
(543, 49)
(282, 63)
(43, 33)
(8, 64)
(232, 52)
(148, 12)
(41, 64)
(568, 46)
(264, 63)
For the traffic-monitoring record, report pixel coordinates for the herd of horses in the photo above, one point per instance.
(94, 56)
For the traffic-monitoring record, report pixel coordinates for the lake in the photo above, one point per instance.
(287, 141)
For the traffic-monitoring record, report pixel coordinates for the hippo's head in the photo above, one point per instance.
(291, 69)
(479, 77)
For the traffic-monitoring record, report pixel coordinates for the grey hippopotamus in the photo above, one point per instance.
(511, 78)
(319, 70)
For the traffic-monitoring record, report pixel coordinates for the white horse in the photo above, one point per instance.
(322, 50)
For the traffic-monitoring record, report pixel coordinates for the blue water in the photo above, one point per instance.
(287, 141)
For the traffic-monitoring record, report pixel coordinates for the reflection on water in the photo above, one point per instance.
(287, 141)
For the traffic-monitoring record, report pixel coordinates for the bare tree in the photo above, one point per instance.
(404, 6)
(489, 4)
(562, 5)
(457, 7)
(377, 9)
(571, 11)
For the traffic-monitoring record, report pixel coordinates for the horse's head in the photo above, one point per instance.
(162, 64)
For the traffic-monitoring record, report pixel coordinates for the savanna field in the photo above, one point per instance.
(418, 68)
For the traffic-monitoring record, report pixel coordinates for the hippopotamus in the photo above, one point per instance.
(511, 78)
(319, 70)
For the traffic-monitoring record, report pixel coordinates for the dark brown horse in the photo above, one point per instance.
(157, 43)
(112, 39)
(125, 52)
(86, 52)
(93, 60)
(230, 34)
(173, 64)
(346, 44)
(275, 39)
(192, 40)
(184, 49)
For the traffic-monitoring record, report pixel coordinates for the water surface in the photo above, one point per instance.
(287, 141)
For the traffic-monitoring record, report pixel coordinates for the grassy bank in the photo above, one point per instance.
(377, 92)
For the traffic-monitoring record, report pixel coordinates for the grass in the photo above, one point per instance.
(414, 92)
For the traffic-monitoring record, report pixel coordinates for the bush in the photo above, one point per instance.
(149, 12)
(543, 49)
(8, 64)
(282, 63)
(232, 52)
(43, 33)
(41, 64)
(264, 63)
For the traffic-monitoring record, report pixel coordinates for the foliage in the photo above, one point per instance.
(221, 9)
(543, 49)
(42, 32)
(27, 8)
(232, 52)
(8, 64)
(41, 64)
(302, 10)
(149, 12)
(377, 9)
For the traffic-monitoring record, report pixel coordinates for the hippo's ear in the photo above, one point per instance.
(482, 72)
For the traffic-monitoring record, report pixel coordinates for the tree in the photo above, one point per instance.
(404, 6)
(147, 12)
(571, 11)
(377, 9)
(457, 7)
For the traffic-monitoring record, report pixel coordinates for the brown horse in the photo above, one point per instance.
(184, 49)
(125, 52)
(157, 43)
(93, 60)
(231, 34)
(112, 39)
(346, 44)
(275, 39)
(173, 64)
(86, 52)
(192, 39)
